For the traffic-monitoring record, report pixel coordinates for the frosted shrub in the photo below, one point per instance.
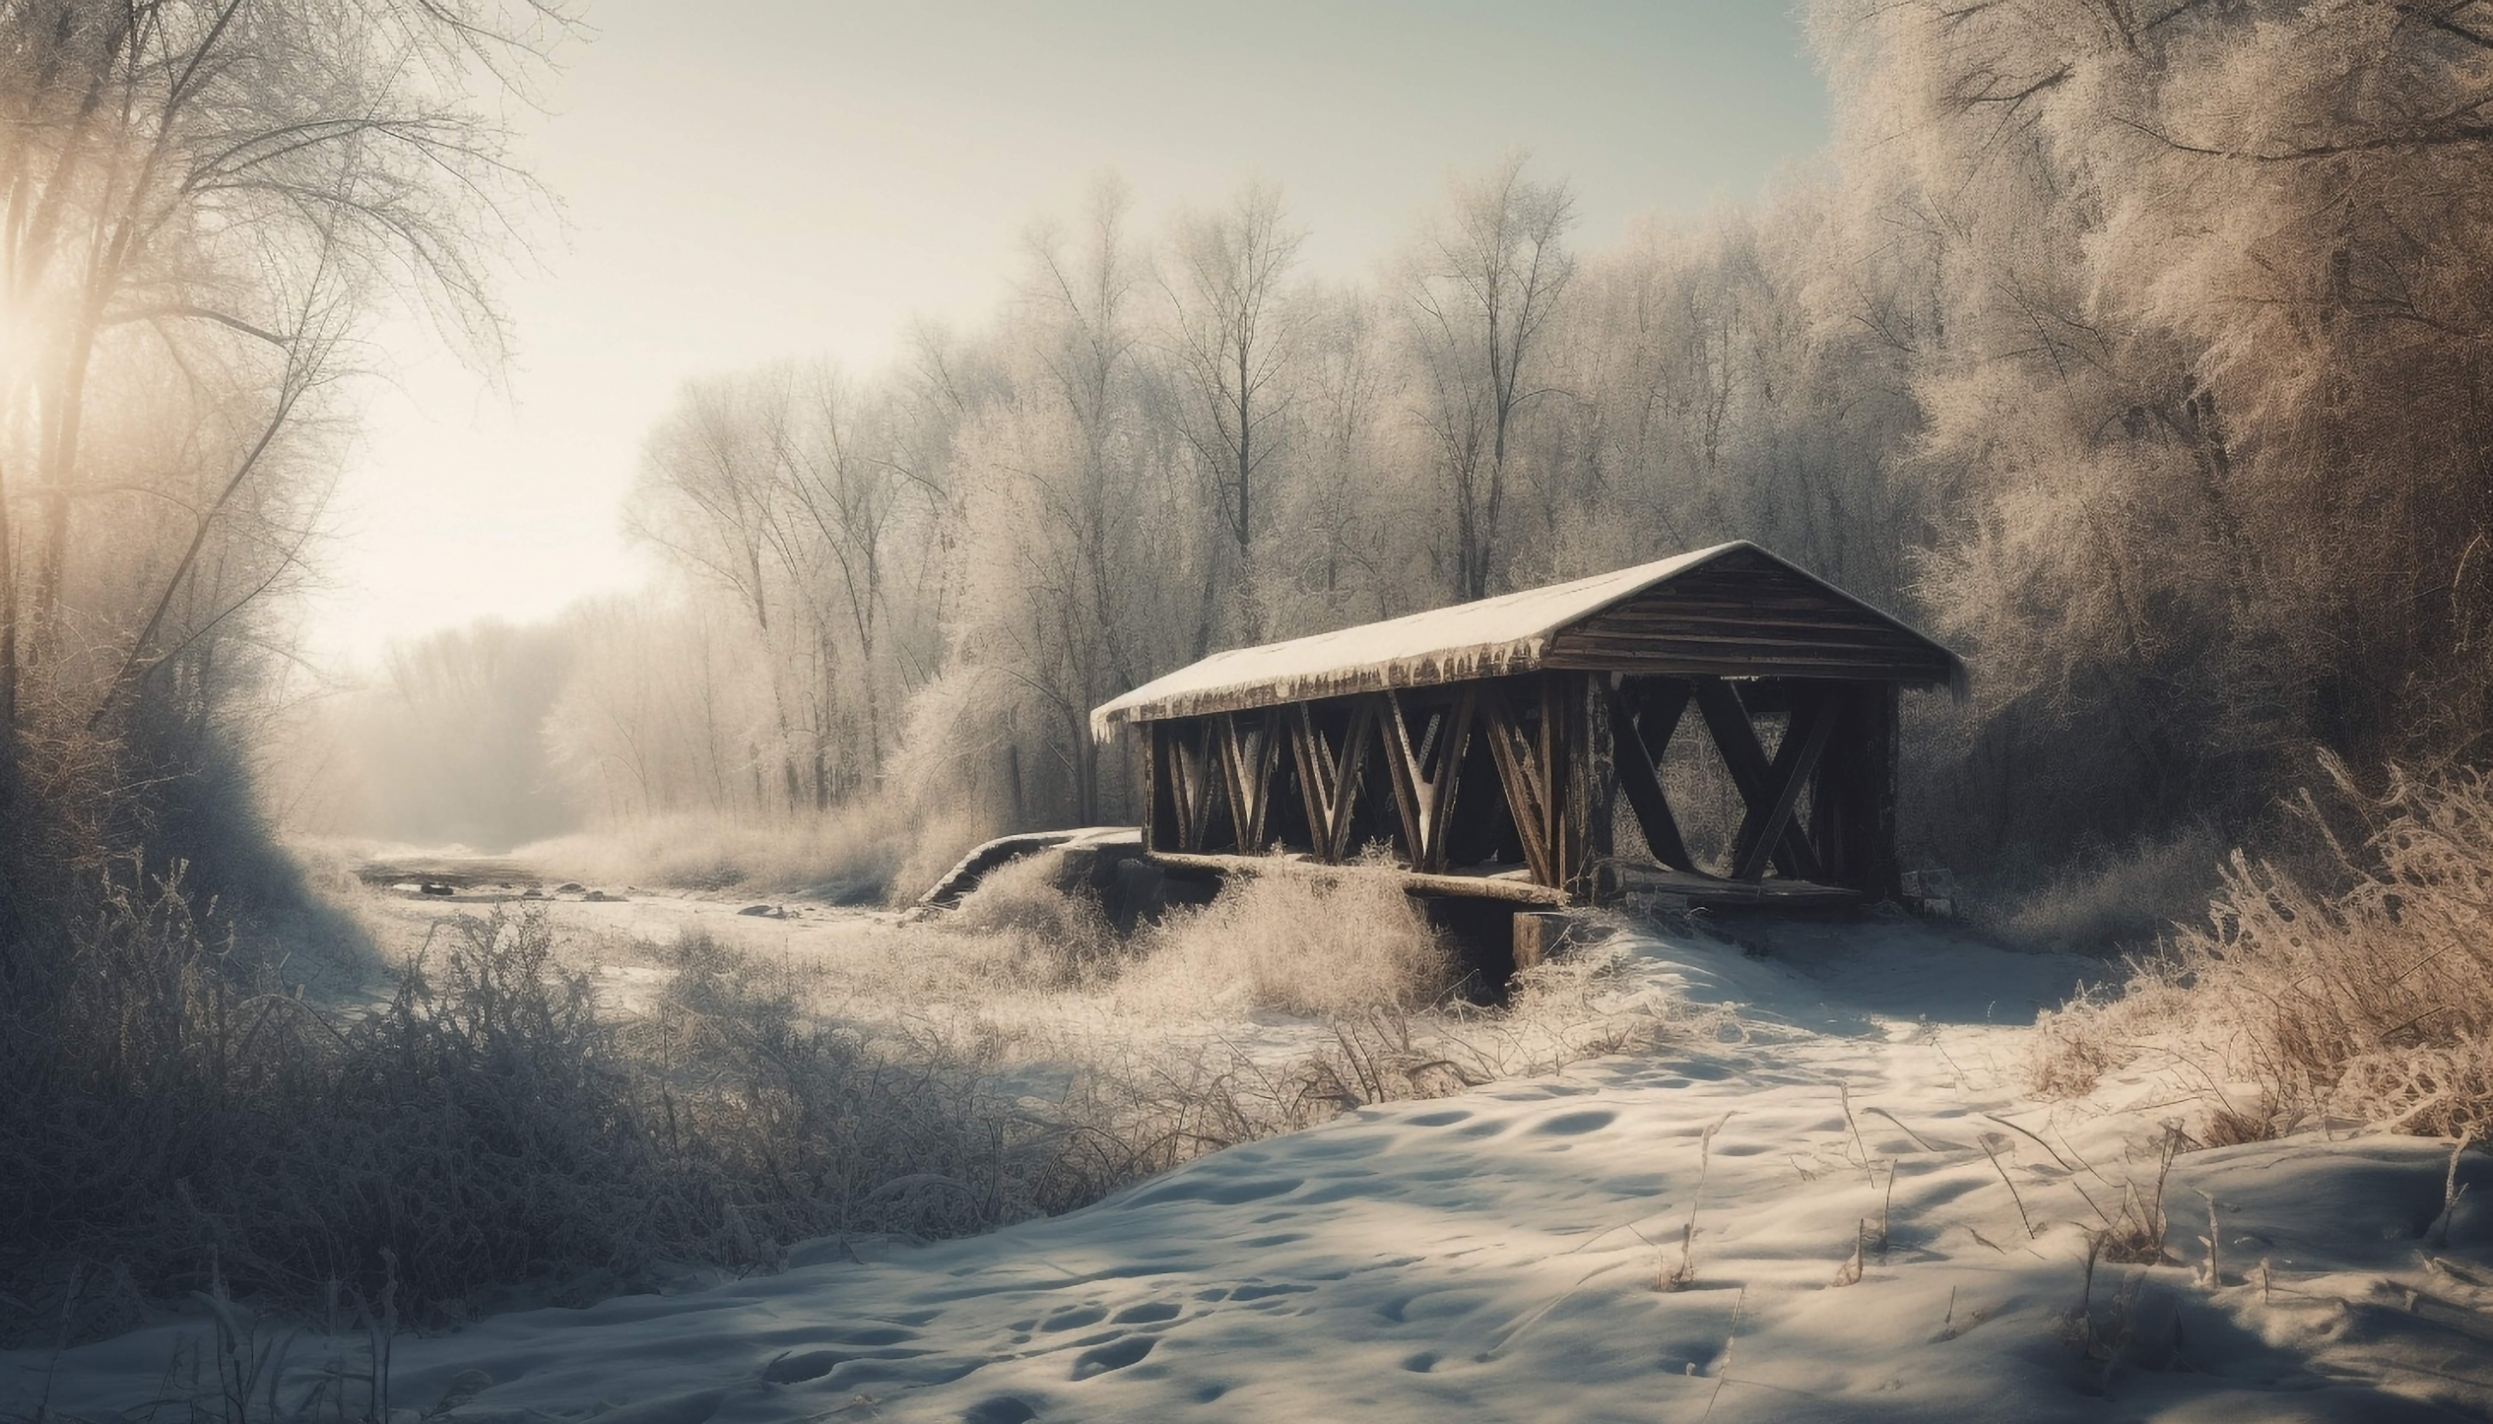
(1055, 935)
(1300, 944)
(2125, 899)
(2376, 1002)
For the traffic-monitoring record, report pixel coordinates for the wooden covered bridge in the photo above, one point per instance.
(1489, 743)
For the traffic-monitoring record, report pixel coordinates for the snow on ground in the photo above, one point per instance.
(1501, 1255)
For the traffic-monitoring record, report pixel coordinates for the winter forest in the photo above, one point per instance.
(2130, 353)
(2141, 351)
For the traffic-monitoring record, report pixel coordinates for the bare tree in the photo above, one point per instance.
(1230, 333)
(1483, 290)
(851, 498)
(204, 200)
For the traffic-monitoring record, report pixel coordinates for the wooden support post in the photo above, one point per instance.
(1551, 760)
(1538, 937)
(1852, 815)
(1587, 778)
(1157, 813)
(1329, 780)
(1641, 737)
(1314, 761)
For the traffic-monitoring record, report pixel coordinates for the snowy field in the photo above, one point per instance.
(1846, 1206)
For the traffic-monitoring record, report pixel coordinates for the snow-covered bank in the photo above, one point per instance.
(1500, 1254)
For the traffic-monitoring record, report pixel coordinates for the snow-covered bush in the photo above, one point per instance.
(1302, 944)
(2374, 1002)
(491, 1124)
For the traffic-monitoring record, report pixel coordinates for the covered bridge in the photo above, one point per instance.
(1490, 743)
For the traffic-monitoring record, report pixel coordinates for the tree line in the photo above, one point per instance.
(2138, 350)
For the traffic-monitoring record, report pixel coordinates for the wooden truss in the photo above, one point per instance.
(1329, 778)
(1559, 743)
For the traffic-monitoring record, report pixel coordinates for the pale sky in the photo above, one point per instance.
(745, 180)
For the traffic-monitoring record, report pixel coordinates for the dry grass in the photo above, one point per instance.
(1296, 944)
(494, 1132)
(2123, 900)
(2374, 1003)
(1284, 1003)
(171, 1122)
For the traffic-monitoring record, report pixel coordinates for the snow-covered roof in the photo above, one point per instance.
(1494, 637)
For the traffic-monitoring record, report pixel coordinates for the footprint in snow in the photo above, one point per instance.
(1204, 1187)
(1247, 1293)
(1576, 1124)
(1074, 1319)
(1115, 1355)
(812, 1365)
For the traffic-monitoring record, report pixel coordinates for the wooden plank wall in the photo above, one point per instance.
(1744, 616)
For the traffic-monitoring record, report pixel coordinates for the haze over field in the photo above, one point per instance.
(844, 171)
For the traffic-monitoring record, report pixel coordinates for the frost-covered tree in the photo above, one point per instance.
(1229, 334)
(2211, 300)
(1482, 290)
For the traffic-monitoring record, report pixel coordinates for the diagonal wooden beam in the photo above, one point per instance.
(1736, 738)
(1552, 728)
(1314, 761)
(1246, 763)
(1525, 800)
(1396, 737)
(1447, 780)
(1191, 781)
(1637, 737)
(1346, 781)
(1804, 741)
(1425, 798)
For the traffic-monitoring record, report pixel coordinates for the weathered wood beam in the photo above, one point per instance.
(1804, 741)
(1736, 738)
(1526, 795)
(1315, 776)
(1247, 756)
(1398, 771)
(1470, 887)
(1446, 780)
(1155, 785)
(1191, 782)
(1329, 781)
(1643, 737)
(1346, 777)
(1425, 798)
(1552, 751)
(1588, 779)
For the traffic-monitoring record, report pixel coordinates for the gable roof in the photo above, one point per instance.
(1733, 610)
